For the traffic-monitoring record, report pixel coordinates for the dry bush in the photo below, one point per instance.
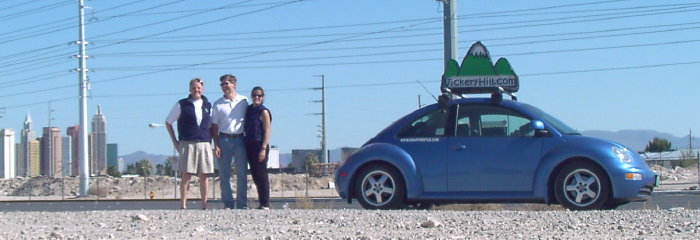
(100, 192)
(303, 203)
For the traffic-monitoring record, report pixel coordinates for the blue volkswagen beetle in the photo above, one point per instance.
(487, 150)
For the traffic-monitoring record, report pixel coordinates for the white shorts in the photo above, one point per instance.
(196, 157)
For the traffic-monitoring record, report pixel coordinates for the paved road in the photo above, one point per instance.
(688, 201)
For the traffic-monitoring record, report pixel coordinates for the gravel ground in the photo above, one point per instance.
(675, 223)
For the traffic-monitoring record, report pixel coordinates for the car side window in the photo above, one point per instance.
(430, 125)
(491, 121)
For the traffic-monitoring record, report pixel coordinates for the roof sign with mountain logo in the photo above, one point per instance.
(478, 74)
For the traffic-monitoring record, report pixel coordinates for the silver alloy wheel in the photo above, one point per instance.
(378, 188)
(581, 187)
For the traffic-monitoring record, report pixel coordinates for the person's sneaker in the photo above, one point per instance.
(263, 208)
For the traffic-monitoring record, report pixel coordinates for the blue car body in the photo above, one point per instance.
(490, 151)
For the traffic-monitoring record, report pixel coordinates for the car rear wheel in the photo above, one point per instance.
(582, 186)
(380, 187)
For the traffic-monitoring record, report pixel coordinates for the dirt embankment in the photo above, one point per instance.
(163, 187)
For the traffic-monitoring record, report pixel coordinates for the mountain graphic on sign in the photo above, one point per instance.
(503, 67)
(477, 62)
(478, 74)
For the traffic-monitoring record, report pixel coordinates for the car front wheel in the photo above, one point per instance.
(380, 187)
(582, 186)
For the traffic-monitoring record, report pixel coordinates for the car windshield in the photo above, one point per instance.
(552, 121)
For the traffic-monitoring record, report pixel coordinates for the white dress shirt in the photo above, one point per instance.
(228, 115)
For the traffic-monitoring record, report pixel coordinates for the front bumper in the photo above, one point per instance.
(633, 190)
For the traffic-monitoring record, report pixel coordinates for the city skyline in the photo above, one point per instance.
(53, 154)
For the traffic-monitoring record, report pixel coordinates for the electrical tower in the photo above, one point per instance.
(324, 149)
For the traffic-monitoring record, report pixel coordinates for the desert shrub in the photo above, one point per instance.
(100, 192)
(303, 203)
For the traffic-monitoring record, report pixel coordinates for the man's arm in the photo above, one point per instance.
(214, 132)
(171, 132)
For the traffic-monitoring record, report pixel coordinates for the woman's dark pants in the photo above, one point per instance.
(259, 171)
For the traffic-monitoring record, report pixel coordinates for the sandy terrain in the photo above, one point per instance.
(281, 185)
(674, 223)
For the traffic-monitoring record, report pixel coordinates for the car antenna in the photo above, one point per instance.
(426, 89)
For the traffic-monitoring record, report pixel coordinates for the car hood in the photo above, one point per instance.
(578, 139)
(581, 138)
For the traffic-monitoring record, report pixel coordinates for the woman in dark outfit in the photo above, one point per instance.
(258, 120)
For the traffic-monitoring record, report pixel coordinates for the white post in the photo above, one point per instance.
(83, 140)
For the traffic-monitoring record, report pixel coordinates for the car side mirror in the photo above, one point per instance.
(538, 127)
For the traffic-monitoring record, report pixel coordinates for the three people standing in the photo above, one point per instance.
(241, 134)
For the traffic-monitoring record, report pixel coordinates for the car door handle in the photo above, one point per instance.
(460, 147)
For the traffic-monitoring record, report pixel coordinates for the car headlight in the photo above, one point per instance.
(623, 154)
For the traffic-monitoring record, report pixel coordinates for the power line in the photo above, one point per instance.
(34, 79)
(196, 10)
(68, 19)
(198, 38)
(36, 10)
(16, 5)
(501, 15)
(429, 50)
(575, 21)
(193, 25)
(72, 26)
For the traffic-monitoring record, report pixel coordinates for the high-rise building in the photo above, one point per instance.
(34, 158)
(51, 152)
(66, 156)
(121, 166)
(18, 153)
(74, 133)
(7, 153)
(112, 155)
(99, 143)
(26, 135)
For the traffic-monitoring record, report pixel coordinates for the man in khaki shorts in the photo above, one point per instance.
(193, 117)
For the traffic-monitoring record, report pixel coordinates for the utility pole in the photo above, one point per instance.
(450, 29)
(324, 150)
(82, 83)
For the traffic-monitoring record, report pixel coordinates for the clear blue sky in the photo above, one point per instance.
(596, 65)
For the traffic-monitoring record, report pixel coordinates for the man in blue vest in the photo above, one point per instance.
(193, 117)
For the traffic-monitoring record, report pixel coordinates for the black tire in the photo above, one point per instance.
(582, 186)
(380, 187)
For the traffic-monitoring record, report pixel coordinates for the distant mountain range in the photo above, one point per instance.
(638, 139)
(138, 155)
(635, 139)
